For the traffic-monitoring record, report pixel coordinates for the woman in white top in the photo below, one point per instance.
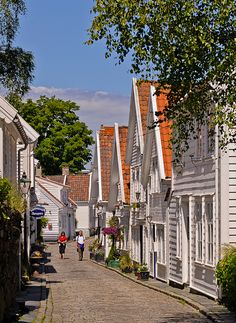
(80, 244)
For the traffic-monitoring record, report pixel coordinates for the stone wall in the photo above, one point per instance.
(10, 225)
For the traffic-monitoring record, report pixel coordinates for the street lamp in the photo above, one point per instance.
(24, 184)
(24, 187)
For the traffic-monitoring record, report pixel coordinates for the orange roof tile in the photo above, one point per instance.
(123, 134)
(79, 185)
(143, 94)
(106, 135)
(165, 133)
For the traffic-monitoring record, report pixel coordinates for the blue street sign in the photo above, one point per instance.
(38, 211)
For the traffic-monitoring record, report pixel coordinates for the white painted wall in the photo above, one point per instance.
(82, 219)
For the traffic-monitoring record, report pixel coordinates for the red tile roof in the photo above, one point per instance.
(106, 135)
(123, 134)
(79, 185)
(165, 133)
(144, 93)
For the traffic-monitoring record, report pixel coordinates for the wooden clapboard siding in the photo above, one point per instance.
(232, 194)
(175, 264)
(135, 149)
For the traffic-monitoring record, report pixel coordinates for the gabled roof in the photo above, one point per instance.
(159, 136)
(165, 132)
(79, 187)
(106, 135)
(10, 115)
(123, 135)
(78, 184)
(30, 132)
(52, 197)
(51, 181)
(138, 114)
(120, 171)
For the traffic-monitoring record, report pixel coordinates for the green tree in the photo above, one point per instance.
(188, 46)
(16, 65)
(64, 140)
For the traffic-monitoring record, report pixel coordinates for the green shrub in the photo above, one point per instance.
(126, 263)
(113, 254)
(226, 276)
(142, 268)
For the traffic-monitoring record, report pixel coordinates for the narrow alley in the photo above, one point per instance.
(86, 292)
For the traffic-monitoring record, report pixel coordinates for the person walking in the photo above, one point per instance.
(80, 244)
(62, 240)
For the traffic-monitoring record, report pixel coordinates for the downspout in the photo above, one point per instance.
(25, 140)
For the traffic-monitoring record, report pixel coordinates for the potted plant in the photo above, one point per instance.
(112, 232)
(99, 255)
(113, 258)
(93, 247)
(143, 272)
(126, 264)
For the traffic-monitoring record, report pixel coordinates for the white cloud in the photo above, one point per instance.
(96, 107)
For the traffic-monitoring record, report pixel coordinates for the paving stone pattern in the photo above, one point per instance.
(81, 291)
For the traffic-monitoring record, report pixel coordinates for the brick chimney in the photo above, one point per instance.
(65, 170)
(38, 170)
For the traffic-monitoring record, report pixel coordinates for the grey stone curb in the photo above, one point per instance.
(202, 309)
(43, 302)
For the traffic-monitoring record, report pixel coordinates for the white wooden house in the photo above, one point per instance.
(119, 195)
(156, 180)
(17, 142)
(202, 213)
(78, 194)
(134, 155)
(100, 180)
(60, 211)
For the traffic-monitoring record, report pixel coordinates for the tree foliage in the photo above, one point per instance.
(188, 46)
(64, 140)
(16, 65)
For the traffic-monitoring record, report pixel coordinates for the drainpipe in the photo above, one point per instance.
(20, 239)
(25, 140)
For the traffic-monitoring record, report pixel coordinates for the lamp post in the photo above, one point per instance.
(99, 213)
(24, 187)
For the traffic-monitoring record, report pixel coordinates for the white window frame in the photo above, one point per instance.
(178, 231)
(209, 233)
(199, 145)
(199, 231)
(208, 141)
(161, 250)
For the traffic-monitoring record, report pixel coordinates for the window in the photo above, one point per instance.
(161, 244)
(154, 176)
(199, 231)
(210, 135)
(199, 142)
(178, 232)
(209, 232)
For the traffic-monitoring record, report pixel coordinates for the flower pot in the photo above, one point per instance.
(113, 263)
(92, 256)
(99, 258)
(143, 275)
(127, 270)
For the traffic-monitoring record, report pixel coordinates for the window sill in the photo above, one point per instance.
(178, 258)
(208, 157)
(161, 263)
(206, 265)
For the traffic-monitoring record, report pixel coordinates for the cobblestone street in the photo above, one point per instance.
(85, 292)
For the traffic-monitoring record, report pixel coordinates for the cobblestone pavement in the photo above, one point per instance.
(81, 291)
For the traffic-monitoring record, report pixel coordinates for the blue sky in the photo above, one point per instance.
(55, 32)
